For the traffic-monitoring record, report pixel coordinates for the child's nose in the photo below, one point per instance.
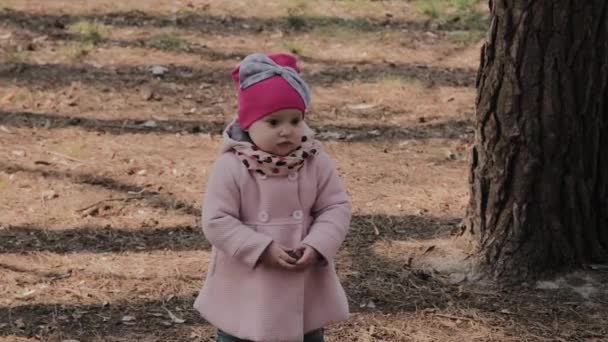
(285, 131)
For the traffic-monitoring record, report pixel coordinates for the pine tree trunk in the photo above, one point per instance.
(539, 168)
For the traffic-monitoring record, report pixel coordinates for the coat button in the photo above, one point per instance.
(292, 176)
(263, 216)
(298, 214)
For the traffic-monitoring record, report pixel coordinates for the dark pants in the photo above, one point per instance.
(313, 336)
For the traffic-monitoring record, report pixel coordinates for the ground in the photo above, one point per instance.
(103, 165)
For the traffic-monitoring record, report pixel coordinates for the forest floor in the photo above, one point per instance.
(103, 164)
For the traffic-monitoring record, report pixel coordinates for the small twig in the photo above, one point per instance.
(598, 300)
(376, 231)
(66, 157)
(109, 200)
(454, 317)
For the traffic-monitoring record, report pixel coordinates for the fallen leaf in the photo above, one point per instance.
(428, 249)
(457, 278)
(58, 276)
(19, 153)
(361, 106)
(19, 323)
(599, 267)
(329, 135)
(147, 94)
(49, 195)
(448, 323)
(92, 211)
(174, 318)
(128, 318)
(8, 98)
(159, 70)
(27, 293)
(73, 102)
(150, 124)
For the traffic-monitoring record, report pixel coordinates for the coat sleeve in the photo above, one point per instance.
(332, 211)
(221, 219)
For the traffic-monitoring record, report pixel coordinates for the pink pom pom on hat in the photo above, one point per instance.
(266, 84)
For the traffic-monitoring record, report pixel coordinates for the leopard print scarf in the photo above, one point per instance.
(269, 164)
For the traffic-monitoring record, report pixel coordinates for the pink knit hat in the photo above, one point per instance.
(266, 84)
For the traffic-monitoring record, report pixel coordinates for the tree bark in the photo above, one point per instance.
(539, 166)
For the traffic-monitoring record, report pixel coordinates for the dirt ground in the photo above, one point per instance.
(103, 164)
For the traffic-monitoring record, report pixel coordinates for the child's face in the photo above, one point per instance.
(278, 133)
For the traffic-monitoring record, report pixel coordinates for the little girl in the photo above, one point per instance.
(276, 212)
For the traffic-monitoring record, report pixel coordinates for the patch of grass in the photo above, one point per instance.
(464, 5)
(296, 22)
(91, 32)
(23, 95)
(298, 6)
(342, 28)
(292, 47)
(167, 41)
(443, 8)
(77, 51)
(18, 57)
(464, 12)
(398, 81)
(73, 151)
(193, 10)
(339, 32)
(431, 8)
(465, 37)
(475, 21)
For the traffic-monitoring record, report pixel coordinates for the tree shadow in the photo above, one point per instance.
(371, 278)
(450, 129)
(203, 22)
(113, 126)
(213, 55)
(52, 76)
(154, 198)
(99, 320)
(392, 287)
(29, 239)
(87, 321)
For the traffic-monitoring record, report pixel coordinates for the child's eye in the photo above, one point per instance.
(295, 122)
(273, 122)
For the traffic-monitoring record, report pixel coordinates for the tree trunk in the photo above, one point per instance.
(539, 168)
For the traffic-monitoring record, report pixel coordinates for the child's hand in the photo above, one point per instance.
(276, 256)
(309, 256)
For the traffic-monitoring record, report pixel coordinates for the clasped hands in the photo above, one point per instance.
(295, 259)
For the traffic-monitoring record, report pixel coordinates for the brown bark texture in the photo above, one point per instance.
(539, 165)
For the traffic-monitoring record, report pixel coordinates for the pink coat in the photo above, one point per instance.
(242, 213)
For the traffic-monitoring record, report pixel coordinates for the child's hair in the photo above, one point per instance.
(266, 84)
